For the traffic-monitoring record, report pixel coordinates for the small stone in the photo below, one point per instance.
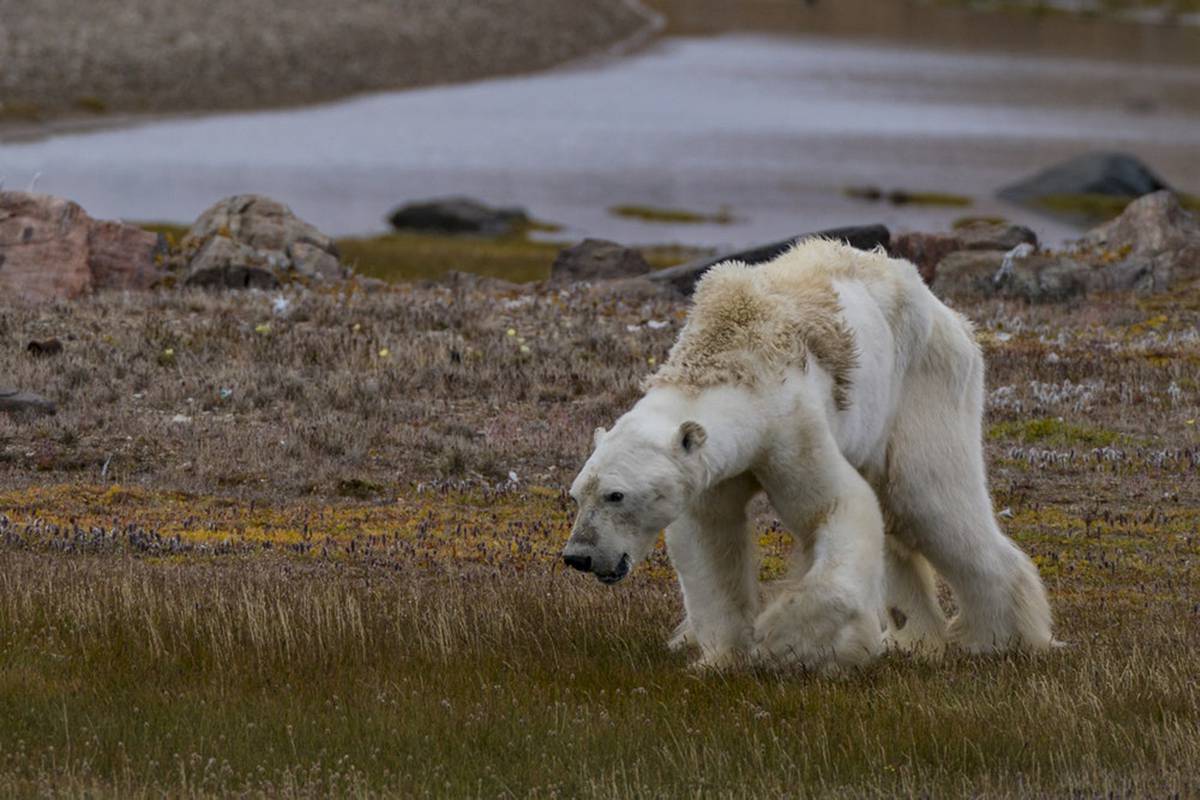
(596, 260)
(13, 401)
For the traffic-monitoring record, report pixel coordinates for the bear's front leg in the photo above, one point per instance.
(713, 553)
(826, 615)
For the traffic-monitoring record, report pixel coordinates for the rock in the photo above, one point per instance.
(226, 264)
(684, 277)
(125, 257)
(1151, 247)
(596, 260)
(967, 273)
(266, 237)
(1045, 278)
(51, 249)
(43, 247)
(927, 250)
(1116, 175)
(1156, 241)
(13, 401)
(44, 349)
(994, 236)
(457, 215)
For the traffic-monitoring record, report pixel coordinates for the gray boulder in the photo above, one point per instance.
(1156, 242)
(683, 277)
(241, 237)
(457, 215)
(928, 250)
(967, 273)
(596, 259)
(1092, 175)
(13, 401)
(225, 264)
(1151, 247)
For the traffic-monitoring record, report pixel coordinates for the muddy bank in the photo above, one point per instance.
(77, 61)
(947, 25)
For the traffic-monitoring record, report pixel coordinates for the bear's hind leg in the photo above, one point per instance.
(936, 494)
(915, 622)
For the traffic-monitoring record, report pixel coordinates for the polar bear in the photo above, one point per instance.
(834, 381)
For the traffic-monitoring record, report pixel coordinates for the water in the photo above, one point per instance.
(772, 128)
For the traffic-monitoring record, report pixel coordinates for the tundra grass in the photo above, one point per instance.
(314, 552)
(671, 216)
(1097, 208)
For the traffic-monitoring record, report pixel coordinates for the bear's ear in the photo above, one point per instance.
(691, 436)
(597, 435)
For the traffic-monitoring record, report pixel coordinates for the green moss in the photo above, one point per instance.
(903, 197)
(414, 256)
(675, 216)
(1052, 431)
(966, 222)
(1096, 208)
(171, 231)
(20, 112)
(91, 104)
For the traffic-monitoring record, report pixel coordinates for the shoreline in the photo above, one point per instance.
(431, 47)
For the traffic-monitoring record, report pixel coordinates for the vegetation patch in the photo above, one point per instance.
(315, 551)
(1097, 208)
(1053, 432)
(902, 197)
(674, 216)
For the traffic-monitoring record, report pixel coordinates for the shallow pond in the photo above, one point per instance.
(773, 129)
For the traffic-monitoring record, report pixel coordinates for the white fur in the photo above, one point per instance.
(906, 448)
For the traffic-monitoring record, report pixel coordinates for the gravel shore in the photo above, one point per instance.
(78, 59)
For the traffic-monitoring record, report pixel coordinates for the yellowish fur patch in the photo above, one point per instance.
(747, 324)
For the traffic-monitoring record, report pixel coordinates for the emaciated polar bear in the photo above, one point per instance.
(833, 380)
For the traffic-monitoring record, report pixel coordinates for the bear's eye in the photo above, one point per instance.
(614, 497)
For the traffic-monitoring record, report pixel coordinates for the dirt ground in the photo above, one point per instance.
(93, 61)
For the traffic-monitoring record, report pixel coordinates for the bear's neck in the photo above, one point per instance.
(732, 422)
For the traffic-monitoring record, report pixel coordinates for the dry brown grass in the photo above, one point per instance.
(372, 607)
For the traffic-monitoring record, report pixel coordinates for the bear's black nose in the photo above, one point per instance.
(581, 563)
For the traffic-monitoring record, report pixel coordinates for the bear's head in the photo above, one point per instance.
(637, 482)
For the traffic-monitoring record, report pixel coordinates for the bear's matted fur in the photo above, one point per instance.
(832, 380)
(747, 324)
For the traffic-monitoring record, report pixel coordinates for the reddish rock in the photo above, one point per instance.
(51, 249)
(926, 250)
(43, 247)
(124, 256)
